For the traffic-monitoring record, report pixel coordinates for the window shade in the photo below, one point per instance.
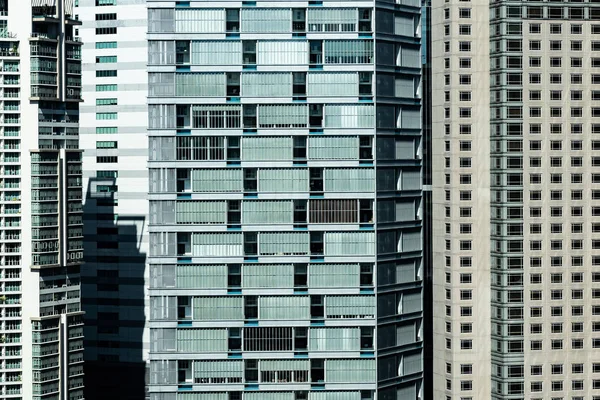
(199, 20)
(351, 371)
(217, 180)
(350, 306)
(201, 212)
(349, 116)
(202, 340)
(268, 212)
(334, 339)
(268, 148)
(334, 275)
(332, 84)
(218, 308)
(200, 84)
(283, 180)
(268, 276)
(267, 84)
(217, 244)
(203, 276)
(266, 20)
(284, 243)
(349, 180)
(218, 369)
(283, 116)
(284, 307)
(282, 52)
(329, 395)
(333, 147)
(220, 52)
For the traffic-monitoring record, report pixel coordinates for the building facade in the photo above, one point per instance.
(285, 236)
(515, 125)
(41, 328)
(113, 137)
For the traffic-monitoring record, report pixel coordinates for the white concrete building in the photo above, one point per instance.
(113, 136)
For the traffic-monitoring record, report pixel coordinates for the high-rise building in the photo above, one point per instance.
(41, 245)
(285, 237)
(113, 136)
(515, 181)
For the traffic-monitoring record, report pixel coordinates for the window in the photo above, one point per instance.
(106, 45)
(106, 73)
(106, 159)
(106, 59)
(464, 13)
(106, 88)
(106, 145)
(101, 130)
(106, 2)
(106, 17)
(106, 102)
(106, 31)
(106, 116)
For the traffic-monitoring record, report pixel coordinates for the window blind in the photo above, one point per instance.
(162, 276)
(333, 147)
(348, 51)
(267, 84)
(332, 19)
(202, 396)
(334, 275)
(405, 272)
(162, 148)
(349, 116)
(411, 180)
(161, 20)
(410, 57)
(163, 340)
(268, 276)
(200, 84)
(266, 20)
(411, 302)
(350, 307)
(161, 116)
(217, 244)
(282, 52)
(218, 308)
(199, 20)
(162, 212)
(161, 52)
(162, 180)
(405, 149)
(284, 307)
(405, 211)
(283, 180)
(163, 244)
(218, 52)
(163, 308)
(329, 395)
(349, 180)
(210, 370)
(411, 241)
(161, 84)
(201, 212)
(332, 84)
(334, 339)
(263, 395)
(284, 243)
(203, 276)
(163, 372)
(405, 25)
(202, 340)
(217, 180)
(412, 363)
(351, 371)
(283, 116)
(406, 334)
(267, 148)
(405, 87)
(268, 212)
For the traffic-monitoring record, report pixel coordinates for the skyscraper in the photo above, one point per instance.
(41, 344)
(285, 241)
(113, 136)
(515, 188)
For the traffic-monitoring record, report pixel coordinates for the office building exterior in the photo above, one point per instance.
(41, 328)
(285, 236)
(113, 137)
(515, 188)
